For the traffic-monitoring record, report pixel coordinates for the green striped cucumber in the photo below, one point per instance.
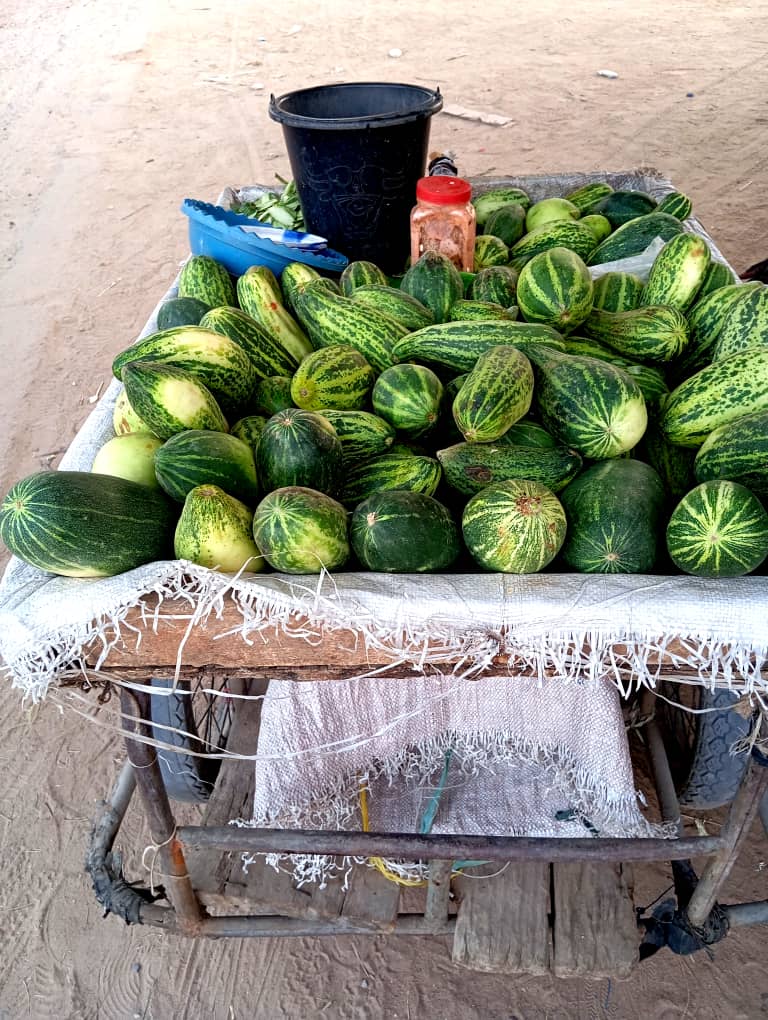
(650, 333)
(634, 237)
(588, 195)
(362, 435)
(589, 405)
(614, 511)
(622, 207)
(715, 396)
(267, 356)
(249, 429)
(673, 464)
(294, 277)
(678, 272)
(170, 400)
(200, 457)
(599, 225)
(299, 448)
(650, 379)
(617, 292)
(408, 397)
(435, 282)
(718, 529)
(737, 451)
(131, 456)
(271, 395)
(301, 531)
(549, 210)
(495, 198)
(555, 288)
(515, 527)
(215, 530)
(260, 297)
(337, 377)
(569, 234)
(403, 532)
(676, 204)
(746, 326)
(717, 275)
(181, 311)
(333, 319)
(706, 320)
(468, 310)
(124, 418)
(410, 313)
(79, 524)
(458, 345)
(207, 280)
(497, 284)
(489, 251)
(415, 473)
(469, 467)
(496, 394)
(216, 361)
(507, 223)
(360, 274)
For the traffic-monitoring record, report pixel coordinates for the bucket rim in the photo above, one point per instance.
(432, 104)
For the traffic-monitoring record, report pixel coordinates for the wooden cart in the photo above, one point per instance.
(563, 905)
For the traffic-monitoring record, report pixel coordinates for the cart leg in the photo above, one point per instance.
(740, 817)
(162, 825)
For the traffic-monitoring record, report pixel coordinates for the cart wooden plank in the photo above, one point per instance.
(595, 928)
(502, 924)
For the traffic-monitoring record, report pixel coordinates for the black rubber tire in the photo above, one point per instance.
(187, 777)
(707, 775)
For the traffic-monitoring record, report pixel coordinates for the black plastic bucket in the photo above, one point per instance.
(356, 152)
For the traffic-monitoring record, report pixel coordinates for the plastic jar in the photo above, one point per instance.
(443, 220)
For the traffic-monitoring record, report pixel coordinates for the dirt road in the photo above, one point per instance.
(116, 111)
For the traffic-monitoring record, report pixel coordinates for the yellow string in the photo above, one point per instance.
(377, 862)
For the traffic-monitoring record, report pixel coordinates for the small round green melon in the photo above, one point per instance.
(130, 456)
(401, 532)
(301, 531)
(548, 210)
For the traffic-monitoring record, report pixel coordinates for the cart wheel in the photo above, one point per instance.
(706, 774)
(199, 722)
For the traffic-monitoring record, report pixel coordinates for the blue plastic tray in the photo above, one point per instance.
(215, 231)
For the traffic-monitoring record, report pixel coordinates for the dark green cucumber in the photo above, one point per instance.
(267, 356)
(404, 532)
(507, 223)
(408, 397)
(737, 451)
(79, 524)
(201, 457)
(469, 467)
(614, 511)
(362, 435)
(299, 448)
(651, 333)
(622, 206)
(416, 473)
(458, 345)
(617, 292)
(410, 313)
(435, 282)
(497, 284)
(181, 311)
(634, 237)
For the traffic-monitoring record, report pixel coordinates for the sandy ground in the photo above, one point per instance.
(115, 112)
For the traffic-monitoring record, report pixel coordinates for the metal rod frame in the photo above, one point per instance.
(187, 916)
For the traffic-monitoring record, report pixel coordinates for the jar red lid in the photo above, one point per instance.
(443, 190)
